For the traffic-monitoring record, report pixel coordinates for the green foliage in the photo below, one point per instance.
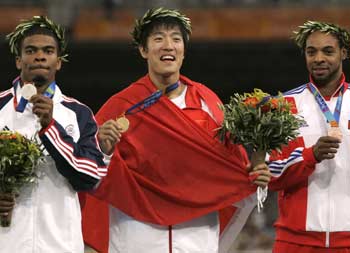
(262, 123)
(19, 159)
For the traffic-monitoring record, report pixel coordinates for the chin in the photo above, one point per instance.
(321, 80)
(169, 73)
(39, 80)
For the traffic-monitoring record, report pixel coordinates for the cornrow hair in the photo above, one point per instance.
(310, 27)
(14, 38)
(155, 14)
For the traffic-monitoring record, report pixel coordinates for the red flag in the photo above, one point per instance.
(166, 168)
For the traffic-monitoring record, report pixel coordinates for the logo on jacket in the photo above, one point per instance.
(304, 124)
(70, 130)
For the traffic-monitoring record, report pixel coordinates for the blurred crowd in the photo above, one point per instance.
(178, 3)
(66, 12)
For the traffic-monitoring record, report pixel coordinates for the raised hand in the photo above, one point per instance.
(326, 148)
(108, 135)
(43, 108)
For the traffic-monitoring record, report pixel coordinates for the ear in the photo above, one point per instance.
(18, 62)
(143, 51)
(59, 63)
(344, 53)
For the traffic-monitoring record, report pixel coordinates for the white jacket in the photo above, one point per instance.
(46, 216)
(314, 198)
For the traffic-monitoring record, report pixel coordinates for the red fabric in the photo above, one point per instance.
(95, 222)
(183, 172)
(225, 216)
(285, 247)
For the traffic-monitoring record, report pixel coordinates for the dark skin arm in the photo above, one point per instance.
(326, 148)
(43, 108)
(7, 202)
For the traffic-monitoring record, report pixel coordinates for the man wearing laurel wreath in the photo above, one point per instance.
(312, 173)
(46, 215)
(169, 175)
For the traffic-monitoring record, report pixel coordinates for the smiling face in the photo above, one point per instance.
(324, 58)
(38, 60)
(164, 53)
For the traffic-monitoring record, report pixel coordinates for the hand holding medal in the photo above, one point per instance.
(28, 90)
(109, 134)
(123, 123)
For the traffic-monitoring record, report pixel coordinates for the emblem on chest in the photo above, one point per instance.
(69, 130)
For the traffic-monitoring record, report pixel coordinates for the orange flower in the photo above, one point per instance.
(274, 103)
(251, 101)
(8, 137)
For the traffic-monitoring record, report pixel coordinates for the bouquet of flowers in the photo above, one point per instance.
(259, 122)
(19, 157)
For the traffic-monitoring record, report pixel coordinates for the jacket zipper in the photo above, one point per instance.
(328, 214)
(170, 228)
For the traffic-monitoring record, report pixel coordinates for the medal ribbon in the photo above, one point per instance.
(152, 99)
(50, 91)
(332, 118)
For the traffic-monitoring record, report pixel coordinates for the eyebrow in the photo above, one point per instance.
(326, 47)
(36, 47)
(162, 33)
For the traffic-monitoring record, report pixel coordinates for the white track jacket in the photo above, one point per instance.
(314, 198)
(46, 216)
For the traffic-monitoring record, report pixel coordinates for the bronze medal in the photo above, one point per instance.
(123, 123)
(335, 132)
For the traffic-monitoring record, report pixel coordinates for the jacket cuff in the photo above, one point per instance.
(309, 157)
(43, 130)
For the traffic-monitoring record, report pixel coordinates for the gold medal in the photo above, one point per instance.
(335, 132)
(123, 123)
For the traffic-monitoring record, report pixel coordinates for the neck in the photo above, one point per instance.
(41, 89)
(328, 88)
(41, 85)
(163, 82)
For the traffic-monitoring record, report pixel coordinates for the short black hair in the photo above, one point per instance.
(38, 30)
(167, 22)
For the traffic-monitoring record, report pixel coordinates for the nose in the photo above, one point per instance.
(319, 57)
(40, 56)
(168, 43)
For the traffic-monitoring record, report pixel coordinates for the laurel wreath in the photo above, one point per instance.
(17, 35)
(312, 26)
(153, 14)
